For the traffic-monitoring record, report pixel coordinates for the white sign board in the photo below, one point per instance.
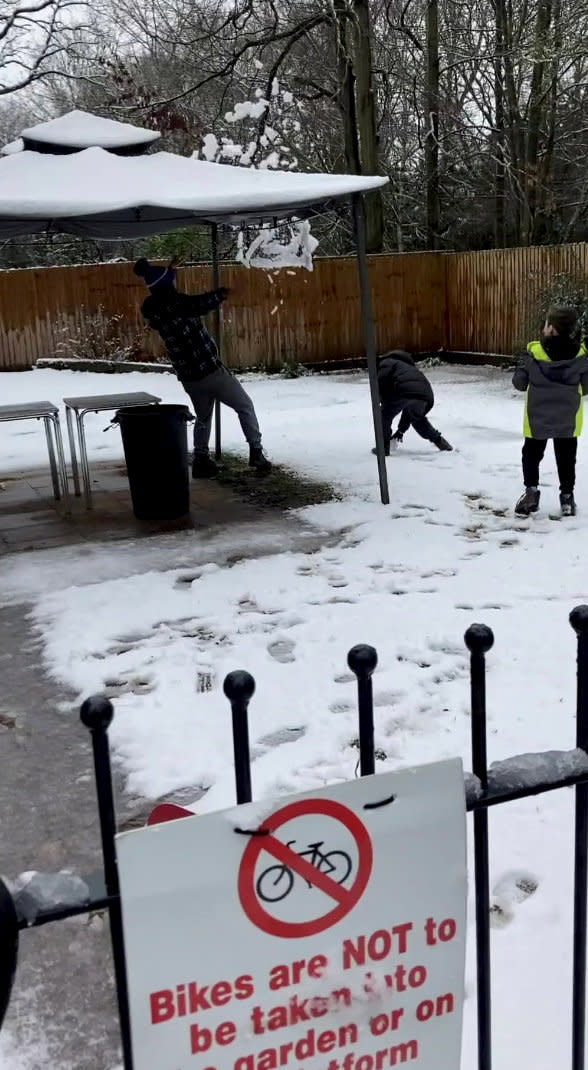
(327, 934)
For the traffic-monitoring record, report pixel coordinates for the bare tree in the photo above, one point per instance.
(33, 38)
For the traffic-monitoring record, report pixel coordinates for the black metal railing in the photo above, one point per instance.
(484, 788)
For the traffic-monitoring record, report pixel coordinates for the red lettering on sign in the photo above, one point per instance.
(162, 1006)
(312, 1044)
(298, 1010)
(445, 930)
(435, 1008)
(378, 946)
(285, 975)
(193, 998)
(220, 993)
(201, 1039)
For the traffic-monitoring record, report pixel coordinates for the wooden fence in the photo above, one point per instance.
(493, 297)
(482, 302)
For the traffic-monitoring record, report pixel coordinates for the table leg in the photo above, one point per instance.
(72, 449)
(51, 452)
(84, 459)
(61, 462)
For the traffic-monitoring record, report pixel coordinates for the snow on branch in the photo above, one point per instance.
(265, 147)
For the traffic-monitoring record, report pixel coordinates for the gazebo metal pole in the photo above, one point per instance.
(217, 333)
(369, 339)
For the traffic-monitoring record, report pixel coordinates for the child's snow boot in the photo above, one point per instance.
(568, 505)
(442, 443)
(528, 502)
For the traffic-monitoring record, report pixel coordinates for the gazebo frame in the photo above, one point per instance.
(139, 219)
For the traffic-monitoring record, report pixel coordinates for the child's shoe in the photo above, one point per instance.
(442, 443)
(528, 502)
(568, 505)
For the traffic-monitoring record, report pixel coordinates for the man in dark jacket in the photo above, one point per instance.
(194, 356)
(405, 390)
(554, 373)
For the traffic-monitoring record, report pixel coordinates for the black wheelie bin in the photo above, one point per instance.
(155, 442)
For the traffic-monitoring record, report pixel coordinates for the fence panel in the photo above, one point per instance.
(493, 295)
(273, 318)
(482, 302)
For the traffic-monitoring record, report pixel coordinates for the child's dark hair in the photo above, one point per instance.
(140, 267)
(563, 319)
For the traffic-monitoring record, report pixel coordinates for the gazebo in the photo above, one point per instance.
(93, 177)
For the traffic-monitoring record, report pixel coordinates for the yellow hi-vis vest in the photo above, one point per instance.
(539, 353)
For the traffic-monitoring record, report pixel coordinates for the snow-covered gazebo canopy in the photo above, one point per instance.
(76, 181)
(93, 177)
(79, 130)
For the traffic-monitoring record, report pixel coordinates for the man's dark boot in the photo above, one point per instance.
(528, 502)
(203, 466)
(258, 460)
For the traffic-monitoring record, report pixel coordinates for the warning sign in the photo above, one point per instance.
(264, 882)
(322, 932)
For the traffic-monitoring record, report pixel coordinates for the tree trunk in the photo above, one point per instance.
(346, 88)
(514, 132)
(367, 122)
(536, 113)
(544, 206)
(499, 173)
(432, 127)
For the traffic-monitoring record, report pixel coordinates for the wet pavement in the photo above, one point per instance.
(63, 1006)
(63, 1002)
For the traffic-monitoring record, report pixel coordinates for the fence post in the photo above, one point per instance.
(96, 714)
(579, 622)
(479, 640)
(362, 660)
(9, 945)
(239, 687)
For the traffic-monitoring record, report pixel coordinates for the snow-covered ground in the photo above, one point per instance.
(408, 578)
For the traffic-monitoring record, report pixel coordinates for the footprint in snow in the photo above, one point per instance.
(186, 579)
(344, 678)
(511, 889)
(340, 706)
(282, 650)
(124, 685)
(336, 579)
(275, 739)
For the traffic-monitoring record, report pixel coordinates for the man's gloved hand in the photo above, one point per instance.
(397, 437)
(224, 292)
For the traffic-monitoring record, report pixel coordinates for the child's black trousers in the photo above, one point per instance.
(565, 450)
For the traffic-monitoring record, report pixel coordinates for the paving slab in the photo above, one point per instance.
(31, 519)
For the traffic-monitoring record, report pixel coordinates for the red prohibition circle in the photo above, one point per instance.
(347, 897)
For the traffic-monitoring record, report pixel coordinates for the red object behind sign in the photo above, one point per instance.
(167, 812)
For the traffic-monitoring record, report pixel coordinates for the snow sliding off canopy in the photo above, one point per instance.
(98, 194)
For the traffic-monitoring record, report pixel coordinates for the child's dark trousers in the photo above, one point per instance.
(565, 450)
